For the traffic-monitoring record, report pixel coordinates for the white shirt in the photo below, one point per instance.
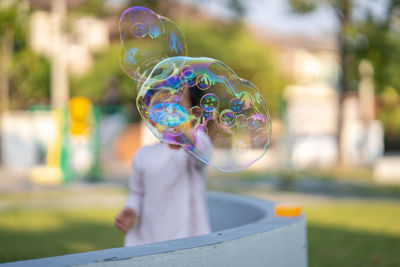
(167, 192)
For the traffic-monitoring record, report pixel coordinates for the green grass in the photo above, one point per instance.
(37, 225)
(36, 234)
(348, 232)
(354, 233)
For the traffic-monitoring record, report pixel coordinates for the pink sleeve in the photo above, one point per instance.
(134, 200)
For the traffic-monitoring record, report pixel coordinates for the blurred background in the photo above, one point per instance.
(329, 72)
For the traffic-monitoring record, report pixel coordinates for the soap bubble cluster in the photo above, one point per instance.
(197, 103)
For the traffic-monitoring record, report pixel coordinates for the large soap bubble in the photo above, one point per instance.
(146, 39)
(197, 103)
(202, 105)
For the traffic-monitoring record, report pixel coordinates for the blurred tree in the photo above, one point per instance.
(90, 7)
(374, 39)
(234, 45)
(24, 76)
(29, 80)
(12, 39)
(343, 10)
(165, 7)
(104, 78)
(379, 42)
(237, 8)
(390, 116)
(248, 57)
(381, 47)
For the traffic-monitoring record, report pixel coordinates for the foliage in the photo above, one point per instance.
(252, 60)
(14, 21)
(390, 116)
(302, 7)
(374, 39)
(234, 45)
(382, 49)
(105, 71)
(380, 44)
(91, 7)
(28, 75)
(29, 80)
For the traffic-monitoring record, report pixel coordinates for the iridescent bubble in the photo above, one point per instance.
(197, 103)
(236, 105)
(188, 77)
(209, 102)
(167, 114)
(203, 82)
(147, 39)
(177, 130)
(196, 111)
(255, 121)
(154, 31)
(241, 120)
(139, 30)
(217, 135)
(261, 135)
(208, 115)
(227, 117)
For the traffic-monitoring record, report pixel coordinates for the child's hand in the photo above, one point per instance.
(125, 219)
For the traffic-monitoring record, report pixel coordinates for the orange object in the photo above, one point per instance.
(287, 210)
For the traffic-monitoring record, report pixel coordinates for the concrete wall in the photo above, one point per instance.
(245, 233)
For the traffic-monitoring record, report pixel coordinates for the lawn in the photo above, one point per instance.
(341, 232)
(44, 224)
(354, 233)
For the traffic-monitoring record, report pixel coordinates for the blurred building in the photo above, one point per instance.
(312, 111)
(311, 116)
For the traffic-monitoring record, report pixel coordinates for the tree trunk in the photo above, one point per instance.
(5, 61)
(343, 12)
(342, 88)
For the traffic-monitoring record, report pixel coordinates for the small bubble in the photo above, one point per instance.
(203, 82)
(241, 120)
(256, 120)
(196, 111)
(209, 102)
(261, 135)
(187, 71)
(188, 76)
(207, 115)
(227, 117)
(236, 105)
(139, 30)
(177, 130)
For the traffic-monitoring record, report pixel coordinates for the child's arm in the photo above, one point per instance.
(127, 216)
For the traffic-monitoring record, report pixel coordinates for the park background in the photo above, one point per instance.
(329, 72)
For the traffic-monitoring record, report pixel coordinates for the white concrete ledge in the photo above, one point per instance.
(245, 233)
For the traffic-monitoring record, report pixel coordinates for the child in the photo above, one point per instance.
(166, 196)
